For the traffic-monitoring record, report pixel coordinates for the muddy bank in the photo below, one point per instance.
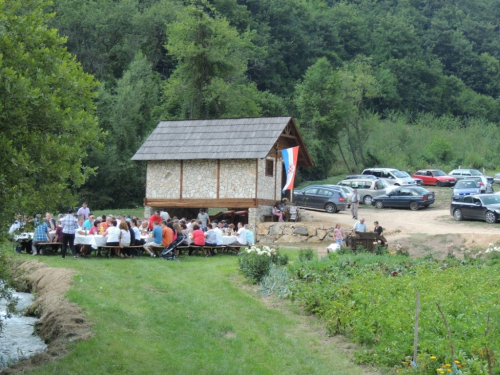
(61, 322)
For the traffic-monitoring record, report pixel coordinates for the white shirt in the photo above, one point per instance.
(218, 236)
(242, 236)
(355, 198)
(164, 215)
(125, 237)
(359, 227)
(137, 233)
(113, 234)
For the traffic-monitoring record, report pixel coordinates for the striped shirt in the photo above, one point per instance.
(69, 224)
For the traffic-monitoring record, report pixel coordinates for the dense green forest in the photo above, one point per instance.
(401, 83)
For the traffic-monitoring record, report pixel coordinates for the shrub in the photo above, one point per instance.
(256, 261)
(277, 281)
(306, 255)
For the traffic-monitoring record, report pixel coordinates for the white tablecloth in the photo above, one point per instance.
(229, 240)
(93, 240)
(23, 237)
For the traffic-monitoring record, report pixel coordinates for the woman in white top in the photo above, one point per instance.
(113, 235)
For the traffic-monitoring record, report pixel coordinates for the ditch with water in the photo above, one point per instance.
(17, 335)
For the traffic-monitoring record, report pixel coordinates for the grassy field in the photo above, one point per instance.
(189, 317)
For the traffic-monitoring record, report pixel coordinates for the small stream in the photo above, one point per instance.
(17, 338)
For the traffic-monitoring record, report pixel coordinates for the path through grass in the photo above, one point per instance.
(188, 317)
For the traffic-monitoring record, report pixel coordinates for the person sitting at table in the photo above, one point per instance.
(277, 211)
(41, 235)
(112, 234)
(143, 227)
(167, 234)
(51, 223)
(170, 224)
(137, 233)
(103, 225)
(250, 237)
(197, 236)
(156, 240)
(217, 227)
(124, 239)
(230, 229)
(89, 222)
(242, 234)
(211, 238)
(95, 228)
(16, 225)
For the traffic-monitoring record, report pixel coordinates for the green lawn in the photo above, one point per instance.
(189, 317)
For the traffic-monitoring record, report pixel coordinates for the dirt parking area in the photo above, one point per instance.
(430, 230)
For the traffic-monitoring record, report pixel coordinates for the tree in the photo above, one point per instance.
(212, 58)
(46, 113)
(129, 115)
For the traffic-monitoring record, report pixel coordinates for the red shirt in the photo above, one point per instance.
(152, 219)
(198, 237)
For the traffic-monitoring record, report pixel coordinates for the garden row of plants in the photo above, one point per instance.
(371, 299)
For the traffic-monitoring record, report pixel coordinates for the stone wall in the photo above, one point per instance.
(287, 233)
(163, 179)
(237, 178)
(199, 179)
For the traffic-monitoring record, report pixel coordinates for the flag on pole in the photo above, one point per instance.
(290, 156)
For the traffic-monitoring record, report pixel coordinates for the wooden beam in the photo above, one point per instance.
(217, 203)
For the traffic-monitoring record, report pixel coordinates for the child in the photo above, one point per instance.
(250, 237)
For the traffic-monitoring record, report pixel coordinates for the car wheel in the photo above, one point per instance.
(379, 204)
(439, 184)
(330, 208)
(414, 206)
(367, 200)
(457, 215)
(490, 217)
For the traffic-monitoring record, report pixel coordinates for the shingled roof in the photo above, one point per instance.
(241, 138)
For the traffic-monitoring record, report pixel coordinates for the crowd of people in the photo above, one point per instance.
(127, 235)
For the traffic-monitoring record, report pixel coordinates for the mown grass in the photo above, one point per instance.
(189, 317)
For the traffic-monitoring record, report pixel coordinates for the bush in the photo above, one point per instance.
(306, 255)
(256, 261)
(277, 281)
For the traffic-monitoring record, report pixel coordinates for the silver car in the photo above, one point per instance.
(486, 181)
(393, 176)
(367, 188)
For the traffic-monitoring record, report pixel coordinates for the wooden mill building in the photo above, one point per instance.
(228, 163)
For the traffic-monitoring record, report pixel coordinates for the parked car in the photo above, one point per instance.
(352, 176)
(391, 175)
(460, 174)
(488, 189)
(347, 191)
(413, 197)
(367, 188)
(480, 207)
(321, 197)
(465, 187)
(435, 177)
(496, 179)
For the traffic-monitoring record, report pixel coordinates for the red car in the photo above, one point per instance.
(435, 177)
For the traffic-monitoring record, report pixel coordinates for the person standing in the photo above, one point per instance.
(355, 204)
(84, 210)
(338, 234)
(155, 218)
(164, 215)
(205, 219)
(69, 227)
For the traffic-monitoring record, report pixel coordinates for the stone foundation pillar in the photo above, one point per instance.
(148, 211)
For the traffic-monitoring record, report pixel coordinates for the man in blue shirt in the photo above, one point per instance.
(360, 225)
(89, 222)
(41, 235)
(156, 241)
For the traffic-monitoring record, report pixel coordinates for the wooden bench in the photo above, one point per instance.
(43, 246)
(235, 248)
(108, 249)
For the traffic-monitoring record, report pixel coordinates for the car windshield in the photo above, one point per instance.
(439, 173)
(475, 172)
(400, 174)
(491, 199)
(466, 184)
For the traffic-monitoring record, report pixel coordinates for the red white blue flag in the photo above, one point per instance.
(290, 156)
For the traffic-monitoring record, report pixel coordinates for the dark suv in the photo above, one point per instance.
(328, 198)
